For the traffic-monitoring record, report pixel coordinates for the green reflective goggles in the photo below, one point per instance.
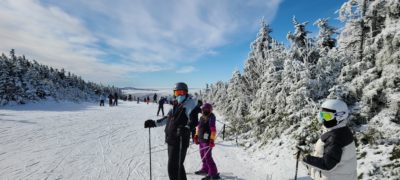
(328, 116)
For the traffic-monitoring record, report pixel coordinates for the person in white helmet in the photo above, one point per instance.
(334, 156)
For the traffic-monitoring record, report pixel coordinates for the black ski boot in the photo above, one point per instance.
(200, 172)
(212, 177)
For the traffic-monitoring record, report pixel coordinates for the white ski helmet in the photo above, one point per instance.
(342, 111)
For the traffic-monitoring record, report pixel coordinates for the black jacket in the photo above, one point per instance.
(178, 124)
(195, 118)
(334, 141)
(161, 102)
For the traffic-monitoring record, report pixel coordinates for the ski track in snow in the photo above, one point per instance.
(84, 141)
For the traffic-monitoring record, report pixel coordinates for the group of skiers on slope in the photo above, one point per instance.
(334, 157)
(112, 99)
(147, 99)
(183, 123)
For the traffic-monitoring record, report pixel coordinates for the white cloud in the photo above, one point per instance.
(52, 37)
(186, 69)
(145, 36)
(169, 31)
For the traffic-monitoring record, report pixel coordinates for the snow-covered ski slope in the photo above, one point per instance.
(84, 141)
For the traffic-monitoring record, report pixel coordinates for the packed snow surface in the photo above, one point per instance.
(63, 140)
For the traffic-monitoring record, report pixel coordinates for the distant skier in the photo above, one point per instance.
(110, 99)
(148, 99)
(115, 99)
(177, 131)
(161, 106)
(138, 99)
(205, 136)
(334, 155)
(102, 99)
(155, 98)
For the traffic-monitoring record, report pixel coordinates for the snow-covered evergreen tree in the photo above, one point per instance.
(236, 105)
(264, 104)
(285, 89)
(254, 66)
(302, 46)
(371, 81)
(352, 37)
(325, 39)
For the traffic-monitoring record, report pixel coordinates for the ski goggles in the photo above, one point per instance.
(328, 116)
(180, 93)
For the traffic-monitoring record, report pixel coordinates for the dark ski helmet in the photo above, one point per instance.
(181, 86)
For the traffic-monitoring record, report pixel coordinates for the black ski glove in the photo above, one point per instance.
(150, 124)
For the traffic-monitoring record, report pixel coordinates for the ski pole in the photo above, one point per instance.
(223, 132)
(150, 151)
(300, 143)
(202, 158)
(297, 163)
(149, 124)
(180, 157)
(209, 148)
(197, 150)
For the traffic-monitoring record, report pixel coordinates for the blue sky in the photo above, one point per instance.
(151, 43)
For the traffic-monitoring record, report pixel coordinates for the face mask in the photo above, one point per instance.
(331, 123)
(180, 99)
(206, 113)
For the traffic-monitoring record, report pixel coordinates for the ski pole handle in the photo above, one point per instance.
(150, 123)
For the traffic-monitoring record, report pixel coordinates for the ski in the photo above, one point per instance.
(223, 176)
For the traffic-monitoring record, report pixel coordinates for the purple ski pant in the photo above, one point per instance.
(208, 162)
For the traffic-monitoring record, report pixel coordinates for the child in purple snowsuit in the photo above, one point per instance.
(205, 136)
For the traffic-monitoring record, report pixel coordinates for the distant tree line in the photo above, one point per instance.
(22, 81)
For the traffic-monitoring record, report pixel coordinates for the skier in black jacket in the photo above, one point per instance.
(177, 131)
(161, 106)
(335, 152)
(115, 99)
(195, 121)
(155, 98)
(110, 99)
